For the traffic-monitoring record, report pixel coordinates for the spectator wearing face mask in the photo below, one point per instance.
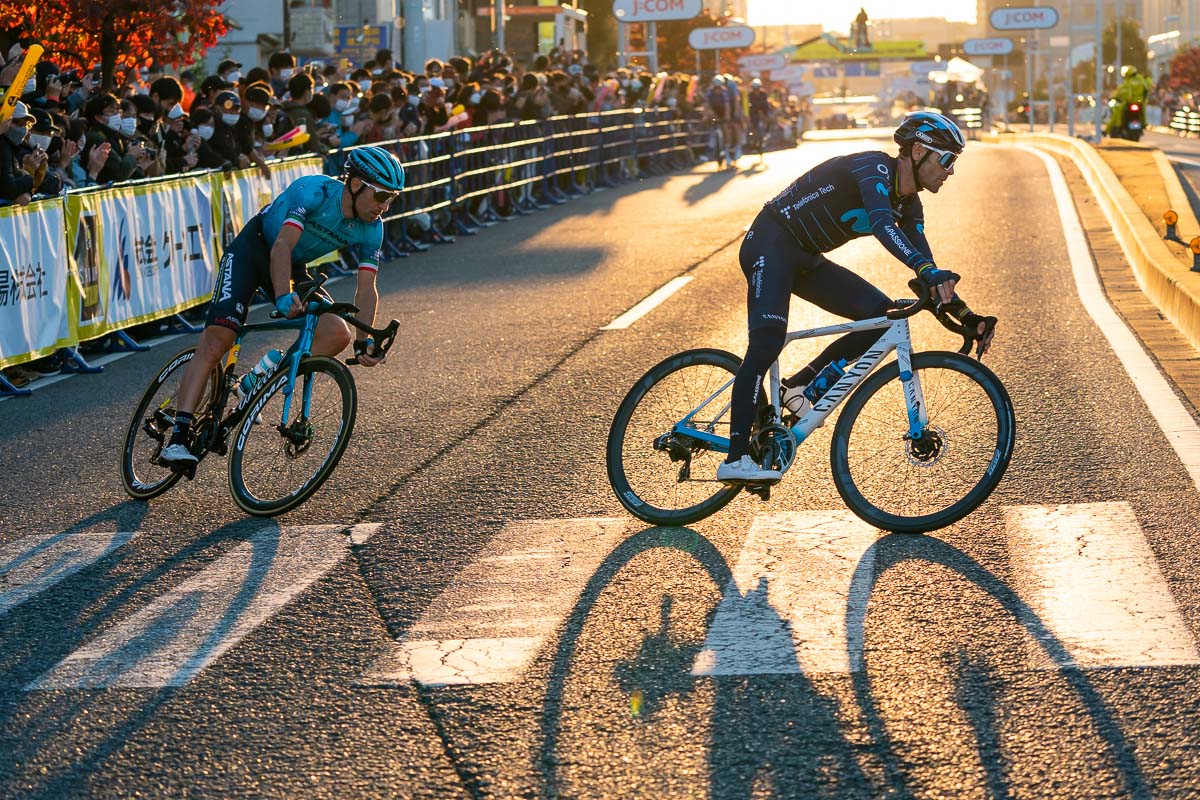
(146, 119)
(166, 92)
(16, 183)
(102, 114)
(204, 126)
(300, 89)
(280, 68)
(381, 120)
(248, 128)
(230, 71)
(227, 110)
(433, 109)
(408, 115)
(35, 153)
(210, 87)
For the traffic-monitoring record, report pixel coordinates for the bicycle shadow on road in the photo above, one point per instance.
(976, 686)
(72, 726)
(710, 184)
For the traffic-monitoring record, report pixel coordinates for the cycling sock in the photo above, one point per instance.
(183, 426)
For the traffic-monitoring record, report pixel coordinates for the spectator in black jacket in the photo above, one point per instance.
(205, 127)
(227, 110)
(16, 184)
(35, 154)
(102, 113)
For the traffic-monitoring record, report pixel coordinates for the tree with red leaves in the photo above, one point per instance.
(118, 34)
(1185, 70)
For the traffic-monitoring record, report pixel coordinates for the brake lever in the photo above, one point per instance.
(383, 343)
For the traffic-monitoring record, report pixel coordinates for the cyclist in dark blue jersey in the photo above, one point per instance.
(314, 216)
(864, 194)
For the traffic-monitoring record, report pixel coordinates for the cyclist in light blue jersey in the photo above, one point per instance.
(314, 216)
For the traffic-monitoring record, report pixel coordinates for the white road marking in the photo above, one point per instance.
(489, 624)
(784, 611)
(1191, 162)
(649, 304)
(1174, 420)
(1089, 574)
(33, 564)
(171, 640)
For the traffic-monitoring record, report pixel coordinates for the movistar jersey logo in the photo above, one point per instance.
(859, 215)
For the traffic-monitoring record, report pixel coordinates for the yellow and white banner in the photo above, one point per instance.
(33, 281)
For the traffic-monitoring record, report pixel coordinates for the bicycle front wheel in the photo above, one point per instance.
(907, 485)
(662, 476)
(276, 464)
(142, 474)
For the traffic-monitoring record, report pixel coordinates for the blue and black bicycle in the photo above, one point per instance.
(287, 435)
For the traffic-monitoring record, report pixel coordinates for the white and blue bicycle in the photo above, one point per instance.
(921, 443)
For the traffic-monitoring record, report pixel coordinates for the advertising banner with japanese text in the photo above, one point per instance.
(244, 192)
(151, 252)
(33, 281)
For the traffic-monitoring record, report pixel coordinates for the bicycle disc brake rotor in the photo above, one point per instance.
(298, 437)
(928, 449)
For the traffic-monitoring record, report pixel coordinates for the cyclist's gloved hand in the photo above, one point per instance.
(284, 303)
(984, 327)
(941, 279)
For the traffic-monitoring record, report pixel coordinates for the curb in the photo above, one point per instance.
(1161, 276)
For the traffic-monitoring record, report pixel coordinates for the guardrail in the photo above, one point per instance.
(100, 259)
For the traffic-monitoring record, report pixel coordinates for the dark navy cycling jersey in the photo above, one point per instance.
(851, 196)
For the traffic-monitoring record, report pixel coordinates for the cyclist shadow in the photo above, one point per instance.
(976, 686)
(52, 720)
(752, 729)
(712, 183)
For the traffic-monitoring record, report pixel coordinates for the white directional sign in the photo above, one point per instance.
(988, 47)
(717, 38)
(762, 62)
(1023, 19)
(656, 10)
(790, 74)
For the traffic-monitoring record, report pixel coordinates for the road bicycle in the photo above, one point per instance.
(722, 148)
(272, 468)
(921, 443)
(756, 138)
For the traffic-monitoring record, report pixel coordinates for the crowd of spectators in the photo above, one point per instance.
(66, 132)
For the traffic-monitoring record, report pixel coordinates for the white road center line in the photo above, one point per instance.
(171, 640)
(490, 622)
(649, 304)
(33, 564)
(1174, 420)
(785, 609)
(1088, 573)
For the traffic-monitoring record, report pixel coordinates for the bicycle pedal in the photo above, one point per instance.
(760, 490)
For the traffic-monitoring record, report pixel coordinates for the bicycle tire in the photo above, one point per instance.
(970, 469)
(643, 500)
(255, 440)
(159, 478)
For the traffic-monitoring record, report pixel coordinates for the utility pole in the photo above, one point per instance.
(1100, 73)
(498, 24)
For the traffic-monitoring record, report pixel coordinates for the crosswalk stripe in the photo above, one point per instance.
(1089, 574)
(33, 564)
(489, 624)
(784, 611)
(171, 640)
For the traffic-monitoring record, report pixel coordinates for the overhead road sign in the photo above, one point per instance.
(656, 10)
(1024, 19)
(762, 62)
(731, 36)
(988, 47)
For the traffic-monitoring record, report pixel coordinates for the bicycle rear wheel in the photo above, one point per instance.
(913, 486)
(667, 478)
(277, 464)
(150, 428)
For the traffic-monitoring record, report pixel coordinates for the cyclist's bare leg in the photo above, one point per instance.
(214, 343)
(332, 337)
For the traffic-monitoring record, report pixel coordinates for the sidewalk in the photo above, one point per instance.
(1148, 280)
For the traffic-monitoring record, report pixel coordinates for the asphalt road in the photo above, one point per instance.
(476, 616)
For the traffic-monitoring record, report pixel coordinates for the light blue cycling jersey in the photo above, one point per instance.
(314, 205)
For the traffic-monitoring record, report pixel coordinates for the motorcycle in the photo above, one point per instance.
(1133, 122)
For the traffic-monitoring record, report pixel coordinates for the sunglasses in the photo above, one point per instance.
(945, 157)
(381, 195)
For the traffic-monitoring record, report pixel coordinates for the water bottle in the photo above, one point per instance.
(825, 380)
(265, 366)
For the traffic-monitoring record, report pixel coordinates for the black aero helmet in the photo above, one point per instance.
(927, 127)
(376, 166)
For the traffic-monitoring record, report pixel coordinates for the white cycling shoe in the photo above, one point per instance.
(177, 454)
(744, 470)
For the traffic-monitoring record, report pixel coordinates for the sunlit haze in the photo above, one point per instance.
(837, 16)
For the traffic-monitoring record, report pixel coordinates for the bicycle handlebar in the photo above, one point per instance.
(951, 315)
(384, 337)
